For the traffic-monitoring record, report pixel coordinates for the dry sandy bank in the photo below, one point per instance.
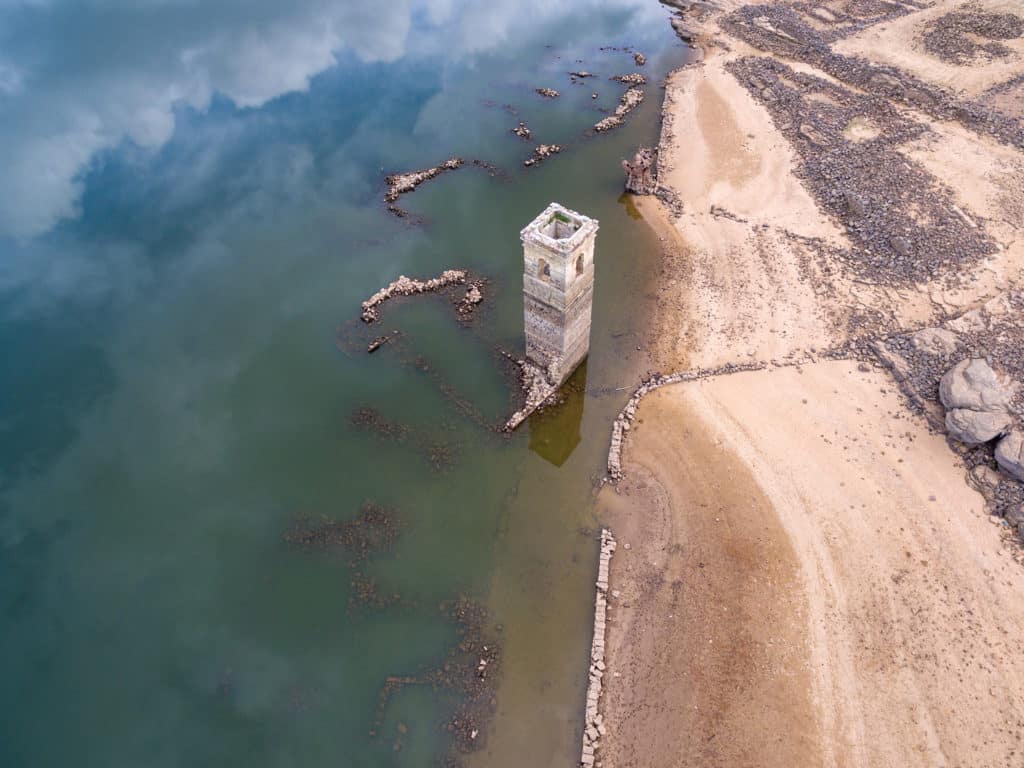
(810, 579)
(809, 582)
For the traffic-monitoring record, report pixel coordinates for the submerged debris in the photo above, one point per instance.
(467, 305)
(639, 58)
(380, 341)
(469, 670)
(581, 74)
(522, 131)
(374, 529)
(405, 286)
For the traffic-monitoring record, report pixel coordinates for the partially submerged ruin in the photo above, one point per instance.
(558, 293)
(640, 177)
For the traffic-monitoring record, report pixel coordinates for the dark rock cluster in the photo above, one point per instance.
(780, 30)
(955, 36)
(904, 224)
(440, 453)
(374, 529)
(469, 670)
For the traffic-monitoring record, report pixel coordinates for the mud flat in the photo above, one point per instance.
(818, 574)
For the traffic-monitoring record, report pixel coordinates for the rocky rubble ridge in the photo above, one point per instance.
(406, 286)
(542, 153)
(400, 183)
(633, 78)
(538, 390)
(630, 100)
(593, 725)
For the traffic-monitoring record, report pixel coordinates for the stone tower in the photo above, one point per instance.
(558, 290)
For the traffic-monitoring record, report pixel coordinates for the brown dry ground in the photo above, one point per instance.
(810, 581)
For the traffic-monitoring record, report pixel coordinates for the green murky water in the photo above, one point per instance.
(193, 215)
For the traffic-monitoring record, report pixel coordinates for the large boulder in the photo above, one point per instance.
(1010, 454)
(974, 427)
(974, 385)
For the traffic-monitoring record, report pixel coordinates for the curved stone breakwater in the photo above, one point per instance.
(406, 286)
(593, 725)
(624, 421)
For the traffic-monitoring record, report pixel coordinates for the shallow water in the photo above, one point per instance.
(193, 214)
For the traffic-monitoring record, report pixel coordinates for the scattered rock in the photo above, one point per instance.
(639, 58)
(522, 131)
(548, 93)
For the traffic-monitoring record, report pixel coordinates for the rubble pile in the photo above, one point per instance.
(401, 183)
(405, 286)
(630, 100)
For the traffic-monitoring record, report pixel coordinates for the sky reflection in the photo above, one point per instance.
(79, 78)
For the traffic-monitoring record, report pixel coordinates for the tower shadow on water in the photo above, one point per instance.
(555, 431)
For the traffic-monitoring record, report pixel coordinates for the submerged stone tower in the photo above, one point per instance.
(558, 290)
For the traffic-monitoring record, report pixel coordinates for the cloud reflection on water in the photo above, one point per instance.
(80, 78)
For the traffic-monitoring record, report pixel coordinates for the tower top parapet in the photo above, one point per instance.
(559, 229)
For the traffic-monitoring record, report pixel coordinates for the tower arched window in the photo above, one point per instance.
(543, 270)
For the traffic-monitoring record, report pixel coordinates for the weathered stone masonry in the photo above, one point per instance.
(558, 289)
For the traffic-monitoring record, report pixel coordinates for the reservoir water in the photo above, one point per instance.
(229, 536)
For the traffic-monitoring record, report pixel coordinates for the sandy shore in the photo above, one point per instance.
(810, 580)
